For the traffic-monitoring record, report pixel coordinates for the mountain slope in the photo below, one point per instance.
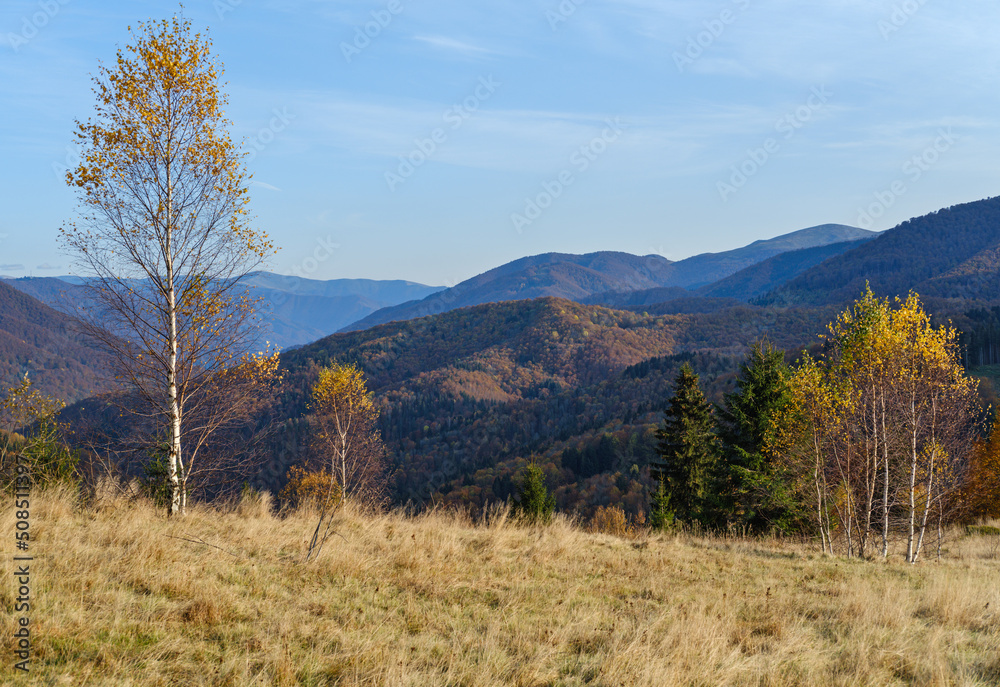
(39, 341)
(765, 276)
(375, 290)
(551, 274)
(704, 269)
(951, 253)
(582, 277)
(467, 394)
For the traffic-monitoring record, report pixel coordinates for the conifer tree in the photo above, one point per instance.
(660, 515)
(536, 504)
(752, 488)
(688, 449)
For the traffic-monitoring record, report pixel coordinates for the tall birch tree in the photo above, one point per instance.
(162, 236)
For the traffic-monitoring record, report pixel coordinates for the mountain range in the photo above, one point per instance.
(584, 278)
(295, 310)
(950, 254)
(470, 393)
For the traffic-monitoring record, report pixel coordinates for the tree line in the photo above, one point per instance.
(878, 439)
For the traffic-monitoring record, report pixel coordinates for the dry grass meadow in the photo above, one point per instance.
(121, 598)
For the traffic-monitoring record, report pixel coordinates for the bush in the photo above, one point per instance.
(42, 447)
(612, 520)
(307, 488)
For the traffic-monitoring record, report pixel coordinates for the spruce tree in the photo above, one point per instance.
(688, 451)
(536, 504)
(660, 515)
(752, 489)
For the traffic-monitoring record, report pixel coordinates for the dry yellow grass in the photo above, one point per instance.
(434, 600)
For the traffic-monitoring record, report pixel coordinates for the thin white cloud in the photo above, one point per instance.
(265, 186)
(446, 43)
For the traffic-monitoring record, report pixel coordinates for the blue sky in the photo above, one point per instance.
(431, 140)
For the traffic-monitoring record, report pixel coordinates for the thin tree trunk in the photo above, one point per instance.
(885, 486)
(930, 478)
(819, 499)
(174, 408)
(940, 531)
(910, 558)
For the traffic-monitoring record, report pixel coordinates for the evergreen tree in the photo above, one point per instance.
(751, 488)
(688, 451)
(536, 504)
(660, 515)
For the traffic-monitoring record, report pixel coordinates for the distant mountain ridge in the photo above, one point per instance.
(707, 268)
(765, 276)
(581, 277)
(953, 253)
(295, 310)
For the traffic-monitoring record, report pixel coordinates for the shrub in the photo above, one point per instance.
(306, 488)
(612, 520)
(41, 447)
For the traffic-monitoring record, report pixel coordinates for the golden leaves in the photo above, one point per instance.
(23, 405)
(341, 387)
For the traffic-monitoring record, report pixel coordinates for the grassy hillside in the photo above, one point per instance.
(123, 596)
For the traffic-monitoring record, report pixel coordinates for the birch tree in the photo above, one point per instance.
(347, 441)
(162, 236)
(889, 418)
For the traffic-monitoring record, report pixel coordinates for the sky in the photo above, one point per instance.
(431, 140)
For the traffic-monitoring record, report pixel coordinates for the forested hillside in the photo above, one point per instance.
(765, 276)
(953, 253)
(469, 396)
(40, 342)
